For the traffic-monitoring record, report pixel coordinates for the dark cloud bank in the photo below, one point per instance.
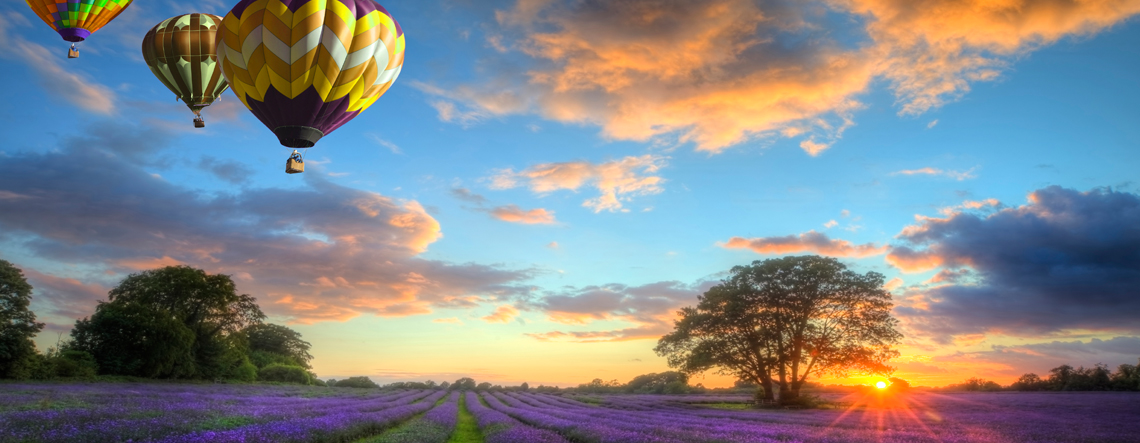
(1066, 260)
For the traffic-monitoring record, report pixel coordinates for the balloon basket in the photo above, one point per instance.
(73, 52)
(294, 165)
(199, 123)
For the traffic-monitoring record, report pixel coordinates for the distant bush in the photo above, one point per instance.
(246, 371)
(357, 382)
(284, 373)
(74, 364)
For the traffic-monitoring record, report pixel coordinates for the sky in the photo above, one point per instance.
(549, 181)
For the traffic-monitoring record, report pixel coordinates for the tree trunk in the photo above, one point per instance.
(789, 395)
(765, 392)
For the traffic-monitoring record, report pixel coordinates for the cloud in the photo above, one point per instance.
(893, 284)
(310, 253)
(502, 314)
(831, 224)
(1066, 260)
(932, 124)
(933, 49)
(648, 309)
(1011, 361)
(229, 171)
(553, 245)
(810, 241)
(69, 84)
(514, 214)
(720, 73)
(449, 320)
(468, 196)
(956, 175)
(616, 180)
(385, 143)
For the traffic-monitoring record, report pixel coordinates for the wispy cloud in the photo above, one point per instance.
(956, 175)
(69, 84)
(811, 241)
(502, 314)
(617, 180)
(385, 143)
(514, 214)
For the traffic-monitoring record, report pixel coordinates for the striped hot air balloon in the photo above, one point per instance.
(75, 20)
(181, 53)
(306, 67)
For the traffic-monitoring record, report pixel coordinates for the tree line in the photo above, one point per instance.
(175, 322)
(1098, 377)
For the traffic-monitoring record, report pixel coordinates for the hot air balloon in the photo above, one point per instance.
(306, 67)
(75, 20)
(181, 53)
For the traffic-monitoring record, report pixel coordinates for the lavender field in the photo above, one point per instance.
(250, 413)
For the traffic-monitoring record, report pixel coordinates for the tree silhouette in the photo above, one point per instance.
(17, 323)
(777, 322)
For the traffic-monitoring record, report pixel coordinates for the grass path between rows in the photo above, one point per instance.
(401, 427)
(466, 429)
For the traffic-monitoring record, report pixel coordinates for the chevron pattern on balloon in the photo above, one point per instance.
(338, 48)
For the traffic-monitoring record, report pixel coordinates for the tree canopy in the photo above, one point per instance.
(776, 322)
(270, 343)
(174, 322)
(17, 323)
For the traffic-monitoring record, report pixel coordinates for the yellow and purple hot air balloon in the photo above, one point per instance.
(180, 51)
(75, 20)
(306, 67)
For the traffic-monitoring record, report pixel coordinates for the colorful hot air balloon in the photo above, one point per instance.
(75, 20)
(181, 53)
(306, 67)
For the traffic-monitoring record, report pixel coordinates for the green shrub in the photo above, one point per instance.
(284, 373)
(246, 371)
(74, 364)
(357, 382)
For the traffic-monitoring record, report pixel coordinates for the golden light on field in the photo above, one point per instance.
(881, 385)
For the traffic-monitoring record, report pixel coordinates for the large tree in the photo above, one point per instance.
(168, 303)
(777, 322)
(17, 323)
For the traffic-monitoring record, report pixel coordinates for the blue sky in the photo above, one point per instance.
(547, 182)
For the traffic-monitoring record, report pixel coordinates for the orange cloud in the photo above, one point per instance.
(932, 49)
(893, 284)
(810, 241)
(719, 73)
(514, 214)
(616, 180)
(502, 314)
(449, 320)
(911, 261)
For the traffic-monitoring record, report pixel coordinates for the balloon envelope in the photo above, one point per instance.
(75, 20)
(306, 67)
(181, 53)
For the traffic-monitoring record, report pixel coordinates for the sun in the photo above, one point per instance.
(881, 385)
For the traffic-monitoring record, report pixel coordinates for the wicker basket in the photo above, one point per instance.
(294, 165)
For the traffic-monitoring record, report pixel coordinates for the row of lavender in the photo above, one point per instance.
(1021, 417)
(195, 413)
(188, 413)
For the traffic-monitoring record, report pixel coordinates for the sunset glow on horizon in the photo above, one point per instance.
(549, 182)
